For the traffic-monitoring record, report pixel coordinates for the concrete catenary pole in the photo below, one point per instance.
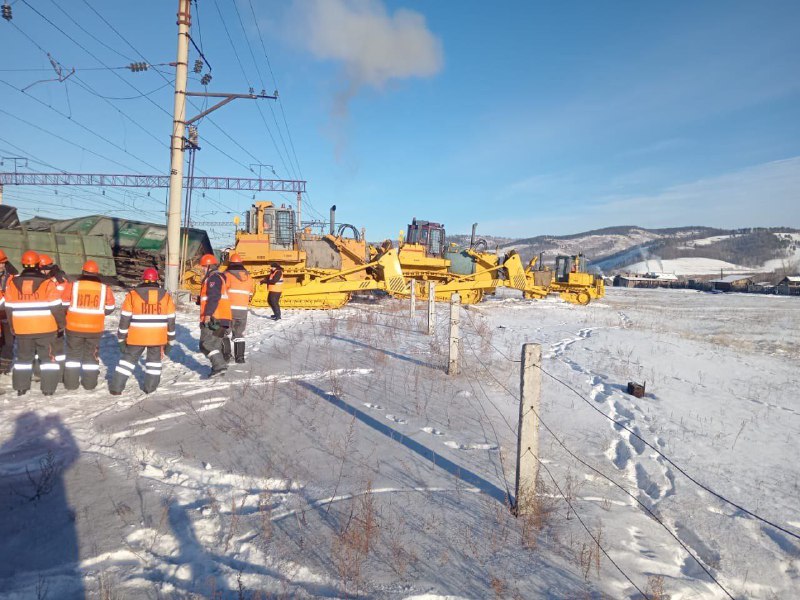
(530, 388)
(172, 278)
(452, 363)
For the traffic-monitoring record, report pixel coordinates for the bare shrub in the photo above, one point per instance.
(49, 472)
(353, 542)
(540, 506)
(655, 588)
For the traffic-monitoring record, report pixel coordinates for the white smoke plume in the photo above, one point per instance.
(373, 46)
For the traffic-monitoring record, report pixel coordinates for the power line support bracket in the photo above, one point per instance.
(226, 98)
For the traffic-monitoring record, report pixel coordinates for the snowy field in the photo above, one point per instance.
(687, 266)
(342, 461)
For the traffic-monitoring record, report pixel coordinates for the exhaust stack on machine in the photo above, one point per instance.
(333, 219)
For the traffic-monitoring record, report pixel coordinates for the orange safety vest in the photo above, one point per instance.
(150, 311)
(87, 304)
(223, 310)
(240, 288)
(32, 309)
(275, 286)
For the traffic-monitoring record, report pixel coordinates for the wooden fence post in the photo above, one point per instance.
(530, 388)
(455, 304)
(431, 307)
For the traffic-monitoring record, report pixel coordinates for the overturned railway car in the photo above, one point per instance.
(134, 245)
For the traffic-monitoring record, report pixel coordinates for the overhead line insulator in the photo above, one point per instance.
(7, 12)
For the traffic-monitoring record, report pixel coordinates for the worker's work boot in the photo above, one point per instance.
(238, 352)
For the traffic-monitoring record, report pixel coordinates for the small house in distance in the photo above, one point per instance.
(732, 283)
(647, 280)
(789, 286)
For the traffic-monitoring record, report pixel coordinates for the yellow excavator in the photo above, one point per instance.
(319, 271)
(569, 279)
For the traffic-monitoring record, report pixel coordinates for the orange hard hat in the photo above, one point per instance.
(208, 259)
(234, 258)
(45, 260)
(3, 257)
(30, 258)
(150, 275)
(91, 267)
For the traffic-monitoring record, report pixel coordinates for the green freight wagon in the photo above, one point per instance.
(136, 245)
(69, 250)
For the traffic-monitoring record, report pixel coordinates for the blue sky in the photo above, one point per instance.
(527, 117)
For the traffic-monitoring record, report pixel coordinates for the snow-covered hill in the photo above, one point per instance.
(682, 250)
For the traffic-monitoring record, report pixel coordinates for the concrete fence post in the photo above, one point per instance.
(431, 307)
(530, 388)
(413, 297)
(455, 305)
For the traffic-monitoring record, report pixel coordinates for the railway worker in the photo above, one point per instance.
(88, 301)
(54, 272)
(274, 290)
(215, 315)
(36, 315)
(146, 325)
(240, 291)
(7, 271)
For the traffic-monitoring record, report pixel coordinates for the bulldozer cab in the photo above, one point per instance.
(427, 234)
(264, 218)
(569, 264)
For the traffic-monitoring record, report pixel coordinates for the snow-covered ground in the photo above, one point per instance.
(342, 461)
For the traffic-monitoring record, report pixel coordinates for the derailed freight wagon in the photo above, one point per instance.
(136, 245)
(68, 250)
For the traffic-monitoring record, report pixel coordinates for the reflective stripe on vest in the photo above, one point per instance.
(31, 312)
(223, 309)
(86, 312)
(276, 286)
(239, 290)
(149, 317)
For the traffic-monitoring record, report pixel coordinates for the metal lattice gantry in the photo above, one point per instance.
(255, 184)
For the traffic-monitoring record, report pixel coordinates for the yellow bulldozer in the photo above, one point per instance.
(569, 279)
(471, 272)
(319, 271)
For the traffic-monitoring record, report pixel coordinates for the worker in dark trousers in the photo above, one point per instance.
(274, 289)
(88, 301)
(240, 291)
(36, 315)
(54, 272)
(7, 271)
(146, 325)
(215, 315)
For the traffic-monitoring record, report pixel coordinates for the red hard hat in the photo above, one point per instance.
(150, 275)
(208, 259)
(30, 259)
(91, 267)
(234, 258)
(3, 257)
(45, 260)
